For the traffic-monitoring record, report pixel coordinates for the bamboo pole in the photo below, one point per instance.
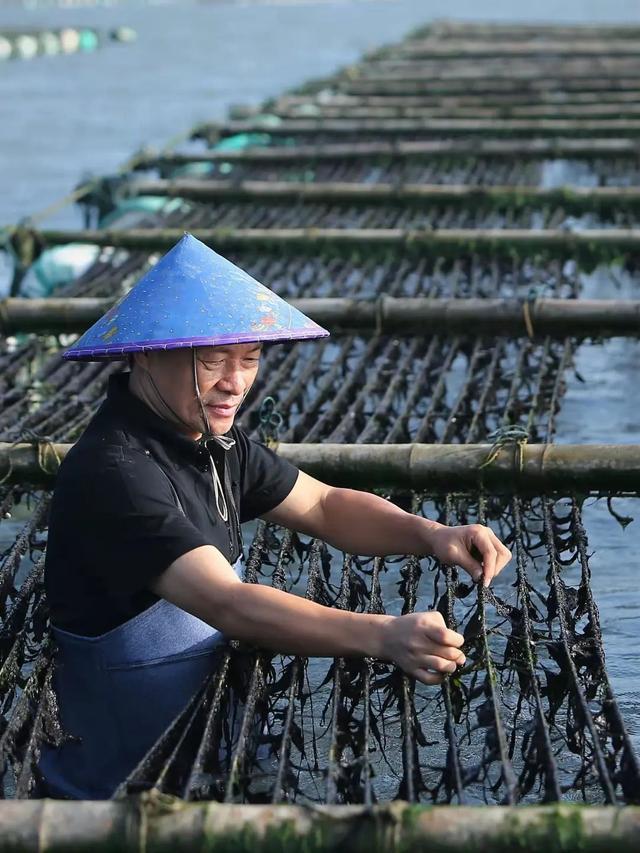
(54, 315)
(590, 245)
(485, 85)
(505, 99)
(466, 48)
(527, 68)
(433, 127)
(575, 199)
(435, 468)
(559, 111)
(158, 823)
(387, 315)
(398, 149)
(444, 468)
(499, 30)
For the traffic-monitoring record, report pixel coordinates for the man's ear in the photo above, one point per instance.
(139, 360)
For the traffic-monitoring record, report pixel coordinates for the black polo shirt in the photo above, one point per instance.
(131, 497)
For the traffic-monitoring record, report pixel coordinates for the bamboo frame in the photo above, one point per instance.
(409, 149)
(525, 68)
(386, 315)
(433, 127)
(483, 85)
(158, 823)
(453, 101)
(587, 245)
(434, 468)
(579, 199)
(470, 47)
(428, 113)
(500, 30)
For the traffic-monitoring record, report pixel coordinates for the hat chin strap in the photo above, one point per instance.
(160, 405)
(207, 435)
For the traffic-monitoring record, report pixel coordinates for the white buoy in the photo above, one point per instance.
(69, 40)
(5, 49)
(49, 43)
(25, 46)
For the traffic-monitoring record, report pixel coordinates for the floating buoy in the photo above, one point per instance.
(49, 43)
(56, 267)
(69, 40)
(5, 48)
(25, 46)
(123, 34)
(89, 40)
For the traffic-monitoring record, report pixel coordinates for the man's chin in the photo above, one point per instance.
(220, 424)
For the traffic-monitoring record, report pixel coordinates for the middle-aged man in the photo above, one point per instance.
(144, 562)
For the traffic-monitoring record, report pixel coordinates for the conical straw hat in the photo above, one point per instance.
(192, 297)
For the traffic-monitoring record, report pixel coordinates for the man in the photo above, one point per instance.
(144, 560)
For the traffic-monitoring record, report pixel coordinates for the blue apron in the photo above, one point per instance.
(119, 691)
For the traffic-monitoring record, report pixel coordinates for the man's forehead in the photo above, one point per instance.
(232, 349)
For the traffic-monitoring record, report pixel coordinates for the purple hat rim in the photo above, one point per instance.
(116, 351)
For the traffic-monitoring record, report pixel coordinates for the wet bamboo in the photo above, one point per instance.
(590, 244)
(490, 67)
(500, 31)
(474, 47)
(558, 111)
(486, 85)
(159, 824)
(341, 99)
(433, 127)
(575, 199)
(442, 468)
(397, 149)
(387, 315)
(436, 468)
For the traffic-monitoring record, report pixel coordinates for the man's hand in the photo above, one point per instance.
(473, 546)
(422, 645)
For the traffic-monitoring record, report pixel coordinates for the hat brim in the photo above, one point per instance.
(120, 351)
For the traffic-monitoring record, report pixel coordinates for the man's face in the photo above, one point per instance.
(225, 375)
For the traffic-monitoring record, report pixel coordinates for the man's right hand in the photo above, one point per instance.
(203, 583)
(422, 645)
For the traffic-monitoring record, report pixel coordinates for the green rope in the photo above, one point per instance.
(270, 422)
(505, 436)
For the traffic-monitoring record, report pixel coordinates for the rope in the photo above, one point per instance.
(512, 434)
(527, 308)
(89, 186)
(47, 456)
(270, 423)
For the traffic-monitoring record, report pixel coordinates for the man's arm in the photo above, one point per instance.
(203, 583)
(362, 523)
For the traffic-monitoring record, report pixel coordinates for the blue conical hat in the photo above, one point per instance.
(192, 297)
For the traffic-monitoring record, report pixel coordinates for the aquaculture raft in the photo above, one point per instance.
(385, 183)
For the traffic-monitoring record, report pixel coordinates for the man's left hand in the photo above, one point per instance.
(474, 547)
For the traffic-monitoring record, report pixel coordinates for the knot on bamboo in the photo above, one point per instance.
(41, 449)
(512, 434)
(26, 244)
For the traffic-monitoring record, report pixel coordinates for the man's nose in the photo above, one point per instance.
(233, 382)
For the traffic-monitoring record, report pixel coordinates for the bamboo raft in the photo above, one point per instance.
(431, 221)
